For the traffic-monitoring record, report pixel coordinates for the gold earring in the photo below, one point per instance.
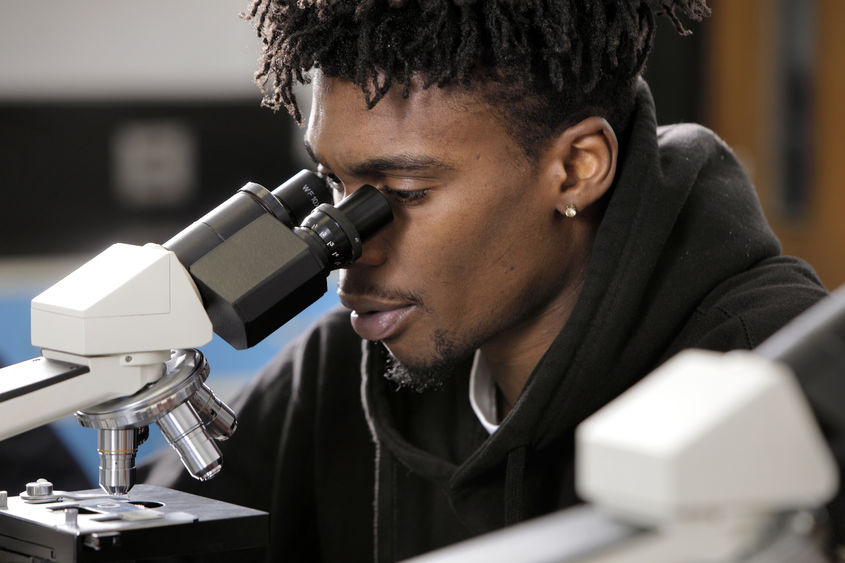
(570, 210)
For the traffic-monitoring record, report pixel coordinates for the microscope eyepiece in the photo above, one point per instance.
(256, 268)
(302, 193)
(291, 202)
(288, 204)
(367, 209)
(343, 229)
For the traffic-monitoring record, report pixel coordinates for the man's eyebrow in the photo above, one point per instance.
(391, 163)
(400, 163)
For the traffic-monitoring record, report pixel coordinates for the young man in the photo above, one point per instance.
(550, 246)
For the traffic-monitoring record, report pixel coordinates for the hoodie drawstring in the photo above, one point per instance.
(383, 505)
(514, 485)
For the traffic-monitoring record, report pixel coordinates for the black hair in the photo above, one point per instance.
(542, 64)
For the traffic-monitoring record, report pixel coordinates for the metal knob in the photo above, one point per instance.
(40, 488)
(38, 491)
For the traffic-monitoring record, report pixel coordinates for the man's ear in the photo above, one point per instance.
(582, 161)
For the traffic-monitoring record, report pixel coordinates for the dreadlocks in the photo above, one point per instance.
(543, 64)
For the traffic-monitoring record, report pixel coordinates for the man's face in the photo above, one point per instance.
(477, 254)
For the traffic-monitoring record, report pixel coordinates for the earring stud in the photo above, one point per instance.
(570, 210)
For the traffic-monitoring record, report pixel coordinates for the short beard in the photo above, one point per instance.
(430, 376)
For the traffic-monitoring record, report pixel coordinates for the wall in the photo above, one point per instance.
(775, 94)
(125, 121)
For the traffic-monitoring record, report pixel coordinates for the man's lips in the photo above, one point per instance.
(373, 319)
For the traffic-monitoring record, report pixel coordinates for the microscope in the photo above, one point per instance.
(711, 458)
(119, 339)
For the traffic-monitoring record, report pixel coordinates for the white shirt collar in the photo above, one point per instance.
(482, 394)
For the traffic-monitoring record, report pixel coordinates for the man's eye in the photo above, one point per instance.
(405, 197)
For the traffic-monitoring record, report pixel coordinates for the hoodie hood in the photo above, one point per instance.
(682, 217)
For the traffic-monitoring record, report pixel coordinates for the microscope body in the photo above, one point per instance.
(119, 339)
(105, 332)
(119, 334)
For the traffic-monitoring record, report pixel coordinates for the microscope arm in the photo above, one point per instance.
(106, 331)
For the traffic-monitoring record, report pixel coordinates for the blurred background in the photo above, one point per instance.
(124, 121)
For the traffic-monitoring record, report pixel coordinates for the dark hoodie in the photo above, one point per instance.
(353, 470)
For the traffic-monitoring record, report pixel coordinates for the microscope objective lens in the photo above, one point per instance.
(117, 449)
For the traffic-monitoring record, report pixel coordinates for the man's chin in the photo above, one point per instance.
(419, 376)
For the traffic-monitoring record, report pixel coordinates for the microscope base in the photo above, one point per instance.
(148, 523)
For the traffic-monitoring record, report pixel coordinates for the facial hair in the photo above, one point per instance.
(432, 375)
(420, 377)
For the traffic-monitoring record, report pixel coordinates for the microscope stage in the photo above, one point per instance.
(147, 523)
